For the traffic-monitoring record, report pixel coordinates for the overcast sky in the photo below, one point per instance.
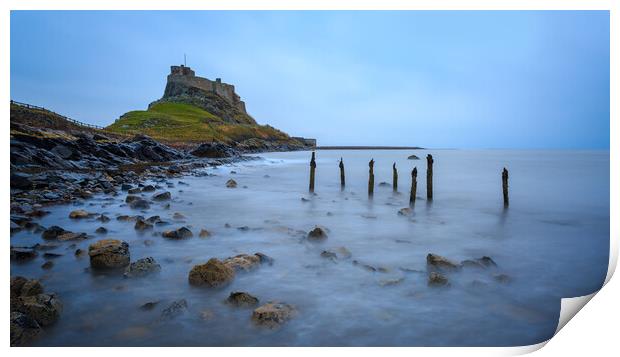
(434, 79)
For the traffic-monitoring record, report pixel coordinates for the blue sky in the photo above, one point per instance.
(442, 79)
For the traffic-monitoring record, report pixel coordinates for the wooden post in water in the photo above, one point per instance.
(429, 177)
(505, 186)
(414, 185)
(394, 178)
(312, 168)
(341, 165)
(371, 177)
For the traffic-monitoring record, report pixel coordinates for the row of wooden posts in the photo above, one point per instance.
(414, 179)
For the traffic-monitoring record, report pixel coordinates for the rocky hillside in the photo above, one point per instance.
(196, 110)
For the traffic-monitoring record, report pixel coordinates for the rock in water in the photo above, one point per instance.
(173, 310)
(213, 274)
(413, 157)
(80, 213)
(437, 279)
(164, 196)
(213, 150)
(24, 329)
(142, 225)
(243, 262)
(139, 204)
(142, 267)
(109, 254)
(23, 254)
(204, 233)
(482, 263)
(231, 183)
(44, 308)
(242, 299)
(52, 232)
(405, 211)
(180, 233)
(435, 261)
(317, 234)
(273, 314)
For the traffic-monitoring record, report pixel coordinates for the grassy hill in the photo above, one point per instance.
(180, 122)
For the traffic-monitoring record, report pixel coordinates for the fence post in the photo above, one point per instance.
(371, 177)
(394, 178)
(341, 165)
(505, 186)
(429, 177)
(312, 168)
(414, 185)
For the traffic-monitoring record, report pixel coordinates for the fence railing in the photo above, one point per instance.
(76, 122)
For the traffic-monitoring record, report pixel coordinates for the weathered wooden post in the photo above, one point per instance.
(429, 177)
(505, 186)
(341, 165)
(312, 168)
(414, 185)
(394, 178)
(371, 177)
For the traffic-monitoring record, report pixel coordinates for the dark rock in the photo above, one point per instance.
(149, 305)
(148, 188)
(44, 308)
(413, 157)
(24, 329)
(264, 259)
(80, 213)
(242, 299)
(67, 236)
(481, 263)
(103, 218)
(52, 232)
(101, 230)
(204, 233)
(213, 150)
(139, 204)
(435, 261)
(142, 267)
(317, 234)
(273, 314)
(47, 265)
(162, 196)
(231, 183)
(175, 309)
(142, 225)
(23, 253)
(180, 233)
(21, 181)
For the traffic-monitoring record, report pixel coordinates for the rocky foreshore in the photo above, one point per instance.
(51, 166)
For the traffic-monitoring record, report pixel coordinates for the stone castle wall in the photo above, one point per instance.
(184, 76)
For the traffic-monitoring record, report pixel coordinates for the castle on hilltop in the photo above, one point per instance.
(183, 77)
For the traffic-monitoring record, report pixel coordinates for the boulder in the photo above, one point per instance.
(80, 213)
(273, 314)
(52, 233)
(243, 262)
(231, 183)
(163, 196)
(438, 262)
(148, 188)
(142, 267)
(21, 286)
(101, 230)
(67, 236)
(139, 203)
(142, 225)
(317, 234)
(413, 157)
(213, 273)
(24, 329)
(181, 233)
(242, 299)
(44, 308)
(23, 253)
(109, 254)
(204, 233)
(213, 150)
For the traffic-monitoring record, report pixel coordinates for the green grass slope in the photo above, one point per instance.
(179, 122)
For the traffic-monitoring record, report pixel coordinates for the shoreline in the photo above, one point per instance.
(366, 147)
